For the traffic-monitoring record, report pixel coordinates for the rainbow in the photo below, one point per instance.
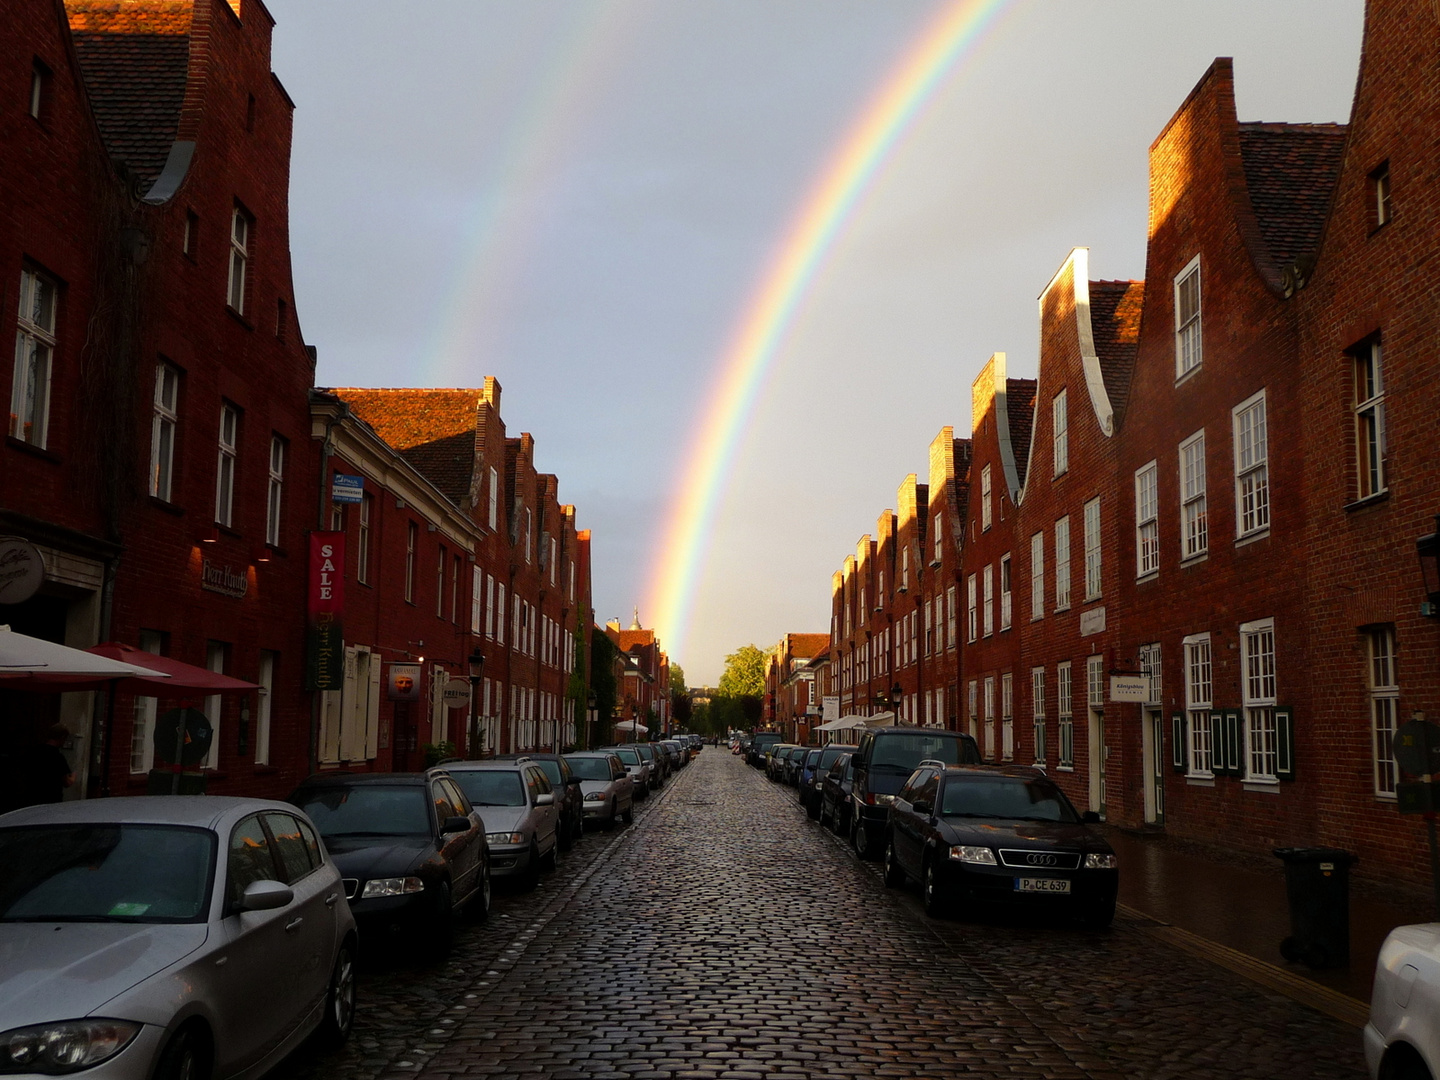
(772, 308)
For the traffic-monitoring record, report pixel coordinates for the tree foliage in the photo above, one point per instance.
(744, 673)
(677, 680)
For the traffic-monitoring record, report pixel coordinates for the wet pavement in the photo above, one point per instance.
(725, 935)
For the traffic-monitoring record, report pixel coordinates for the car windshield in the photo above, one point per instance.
(812, 758)
(645, 752)
(628, 755)
(490, 787)
(830, 753)
(905, 750)
(590, 768)
(1012, 797)
(552, 770)
(106, 873)
(764, 742)
(367, 810)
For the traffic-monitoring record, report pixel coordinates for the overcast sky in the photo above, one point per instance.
(580, 197)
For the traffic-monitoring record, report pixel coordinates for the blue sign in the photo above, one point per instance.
(347, 489)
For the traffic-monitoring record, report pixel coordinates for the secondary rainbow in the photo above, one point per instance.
(949, 37)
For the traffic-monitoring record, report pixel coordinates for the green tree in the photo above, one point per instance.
(602, 683)
(744, 673)
(677, 680)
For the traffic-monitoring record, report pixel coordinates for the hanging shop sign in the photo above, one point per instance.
(456, 694)
(324, 610)
(225, 580)
(1130, 688)
(346, 489)
(22, 570)
(404, 684)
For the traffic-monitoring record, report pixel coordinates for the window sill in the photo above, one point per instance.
(33, 450)
(1253, 538)
(1269, 787)
(1195, 560)
(1378, 229)
(169, 507)
(1386, 797)
(1062, 610)
(1145, 579)
(1181, 379)
(239, 318)
(1369, 501)
(1064, 768)
(1200, 781)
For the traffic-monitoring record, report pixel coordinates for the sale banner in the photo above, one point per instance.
(324, 612)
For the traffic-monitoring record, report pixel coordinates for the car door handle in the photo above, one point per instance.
(332, 899)
(294, 924)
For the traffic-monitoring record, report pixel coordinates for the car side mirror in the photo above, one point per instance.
(545, 799)
(455, 824)
(922, 807)
(574, 781)
(265, 896)
(1090, 817)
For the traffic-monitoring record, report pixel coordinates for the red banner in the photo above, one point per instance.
(324, 610)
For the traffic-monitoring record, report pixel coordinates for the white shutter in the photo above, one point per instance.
(350, 746)
(438, 678)
(330, 726)
(372, 709)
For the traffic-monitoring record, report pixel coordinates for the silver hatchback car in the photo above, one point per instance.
(522, 818)
(168, 937)
(609, 792)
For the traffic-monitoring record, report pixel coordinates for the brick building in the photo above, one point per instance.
(643, 684)
(792, 699)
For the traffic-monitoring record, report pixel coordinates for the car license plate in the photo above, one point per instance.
(1042, 884)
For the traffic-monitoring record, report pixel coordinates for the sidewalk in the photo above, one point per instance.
(1236, 913)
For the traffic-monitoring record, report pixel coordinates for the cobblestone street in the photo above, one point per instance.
(726, 935)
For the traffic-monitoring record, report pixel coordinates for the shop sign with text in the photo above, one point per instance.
(324, 610)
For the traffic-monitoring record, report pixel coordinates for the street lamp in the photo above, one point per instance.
(896, 693)
(1428, 550)
(476, 663)
(590, 701)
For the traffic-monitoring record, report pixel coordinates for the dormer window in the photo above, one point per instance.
(1380, 211)
(1187, 319)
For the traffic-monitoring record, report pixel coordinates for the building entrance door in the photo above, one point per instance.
(1098, 753)
(1152, 735)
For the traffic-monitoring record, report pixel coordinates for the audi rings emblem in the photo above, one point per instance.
(1040, 858)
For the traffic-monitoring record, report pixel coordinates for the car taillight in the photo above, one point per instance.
(869, 798)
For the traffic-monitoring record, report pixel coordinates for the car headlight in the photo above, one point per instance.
(980, 855)
(1098, 861)
(883, 800)
(505, 837)
(63, 1047)
(595, 796)
(391, 886)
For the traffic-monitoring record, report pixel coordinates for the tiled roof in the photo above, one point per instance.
(433, 429)
(1291, 170)
(628, 639)
(1115, 308)
(134, 57)
(1020, 407)
(804, 646)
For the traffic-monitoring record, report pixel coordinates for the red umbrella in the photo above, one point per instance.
(186, 680)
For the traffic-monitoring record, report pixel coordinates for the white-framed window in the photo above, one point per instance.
(951, 617)
(217, 653)
(1065, 714)
(164, 418)
(905, 568)
(1006, 602)
(990, 717)
(1149, 657)
(1198, 703)
(985, 512)
(1384, 707)
(500, 612)
(1188, 353)
(455, 590)
(1380, 208)
(275, 491)
(264, 704)
(1092, 549)
(241, 228)
(39, 80)
(939, 525)
(1252, 459)
(229, 442)
(1060, 426)
(987, 587)
(1037, 576)
(1007, 717)
(412, 541)
(1194, 522)
(1095, 682)
(362, 562)
(528, 546)
(142, 735)
(1147, 520)
(1062, 564)
(970, 629)
(1257, 651)
(493, 495)
(477, 600)
(1037, 707)
(440, 562)
(928, 624)
(1369, 421)
(972, 694)
(34, 359)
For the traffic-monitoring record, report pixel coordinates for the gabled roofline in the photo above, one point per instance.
(1079, 259)
(1001, 407)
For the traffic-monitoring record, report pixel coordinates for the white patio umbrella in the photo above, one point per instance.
(21, 654)
(630, 725)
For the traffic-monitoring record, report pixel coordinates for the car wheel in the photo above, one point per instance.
(825, 817)
(552, 857)
(610, 821)
(185, 1057)
(531, 877)
(860, 839)
(629, 814)
(1401, 1062)
(340, 999)
(565, 835)
(936, 903)
(894, 875)
(479, 908)
(442, 924)
(812, 808)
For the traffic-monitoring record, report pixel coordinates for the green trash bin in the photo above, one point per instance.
(1317, 884)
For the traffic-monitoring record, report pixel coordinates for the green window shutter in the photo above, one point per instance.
(1220, 742)
(1285, 744)
(1237, 743)
(1179, 744)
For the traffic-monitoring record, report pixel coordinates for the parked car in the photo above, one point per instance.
(678, 757)
(812, 774)
(885, 758)
(998, 835)
(609, 793)
(775, 760)
(794, 762)
(148, 898)
(757, 754)
(835, 795)
(1402, 1038)
(656, 758)
(635, 765)
(522, 820)
(567, 793)
(410, 848)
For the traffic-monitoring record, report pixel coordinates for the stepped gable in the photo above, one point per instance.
(434, 430)
(1020, 407)
(134, 57)
(1115, 308)
(1290, 170)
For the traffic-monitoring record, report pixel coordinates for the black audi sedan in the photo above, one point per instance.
(1002, 835)
(410, 849)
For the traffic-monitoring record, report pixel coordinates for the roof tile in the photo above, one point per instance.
(1290, 170)
(434, 430)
